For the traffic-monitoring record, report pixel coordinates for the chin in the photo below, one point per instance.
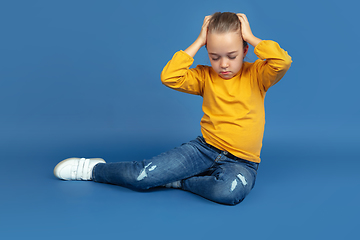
(226, 77)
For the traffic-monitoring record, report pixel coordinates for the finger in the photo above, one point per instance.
(245, 18)
(242, 16)
(242, 20)
(206, 21)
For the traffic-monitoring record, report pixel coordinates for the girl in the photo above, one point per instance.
(221, 165)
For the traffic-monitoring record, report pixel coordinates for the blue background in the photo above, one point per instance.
(82, 78)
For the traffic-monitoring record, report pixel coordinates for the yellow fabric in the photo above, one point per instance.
(234, 115)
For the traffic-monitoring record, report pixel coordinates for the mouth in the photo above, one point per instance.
(225, 72)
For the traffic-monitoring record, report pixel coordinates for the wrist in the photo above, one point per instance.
(194, 48)
(253, 41)
(199, 42)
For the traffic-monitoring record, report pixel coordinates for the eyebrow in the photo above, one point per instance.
(226, 53)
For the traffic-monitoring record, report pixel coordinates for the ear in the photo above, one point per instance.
(246, 49)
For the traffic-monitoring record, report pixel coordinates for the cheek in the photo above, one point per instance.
(238, 64)
(241, 59)
(214, 64)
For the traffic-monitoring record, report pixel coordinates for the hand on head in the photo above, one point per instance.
(204, 29)
(246, 32)
(245, 28)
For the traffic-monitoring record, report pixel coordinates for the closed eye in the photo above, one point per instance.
(217, 58)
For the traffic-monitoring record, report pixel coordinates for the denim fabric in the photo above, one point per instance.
(202, 169)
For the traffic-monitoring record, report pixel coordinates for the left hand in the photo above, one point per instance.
(246, 33)
(245, 27)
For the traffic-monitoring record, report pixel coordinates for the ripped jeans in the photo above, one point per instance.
(203, 169)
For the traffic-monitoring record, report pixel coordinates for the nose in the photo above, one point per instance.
(224, 63)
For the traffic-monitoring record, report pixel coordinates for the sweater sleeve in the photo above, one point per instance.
(273, 63)
(178, 75)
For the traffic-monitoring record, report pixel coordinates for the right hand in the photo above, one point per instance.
(204, 29)
(201, 40)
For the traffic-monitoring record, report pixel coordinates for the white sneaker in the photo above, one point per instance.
(76, 168)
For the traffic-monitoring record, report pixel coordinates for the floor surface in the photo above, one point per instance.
(306, 192)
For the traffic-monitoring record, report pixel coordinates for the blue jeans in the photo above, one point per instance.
(204, 170)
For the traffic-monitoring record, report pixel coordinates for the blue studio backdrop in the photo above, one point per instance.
(82, 78)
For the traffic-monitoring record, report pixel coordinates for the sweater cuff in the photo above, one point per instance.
(261, 47)
(187, 55)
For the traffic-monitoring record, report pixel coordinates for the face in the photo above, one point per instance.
(226, 53)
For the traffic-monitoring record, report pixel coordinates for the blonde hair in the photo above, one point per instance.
(225, 22)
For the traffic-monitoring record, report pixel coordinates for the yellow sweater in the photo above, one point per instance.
(234, 115)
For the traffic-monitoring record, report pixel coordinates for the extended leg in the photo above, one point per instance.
(179, 163)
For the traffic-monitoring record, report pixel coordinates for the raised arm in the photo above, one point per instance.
(201, 40)
(177, 73)
(275, 60)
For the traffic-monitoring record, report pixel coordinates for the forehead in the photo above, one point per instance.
(224, 42)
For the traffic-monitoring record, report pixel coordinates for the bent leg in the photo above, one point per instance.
(179, 163)
(228, 182)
